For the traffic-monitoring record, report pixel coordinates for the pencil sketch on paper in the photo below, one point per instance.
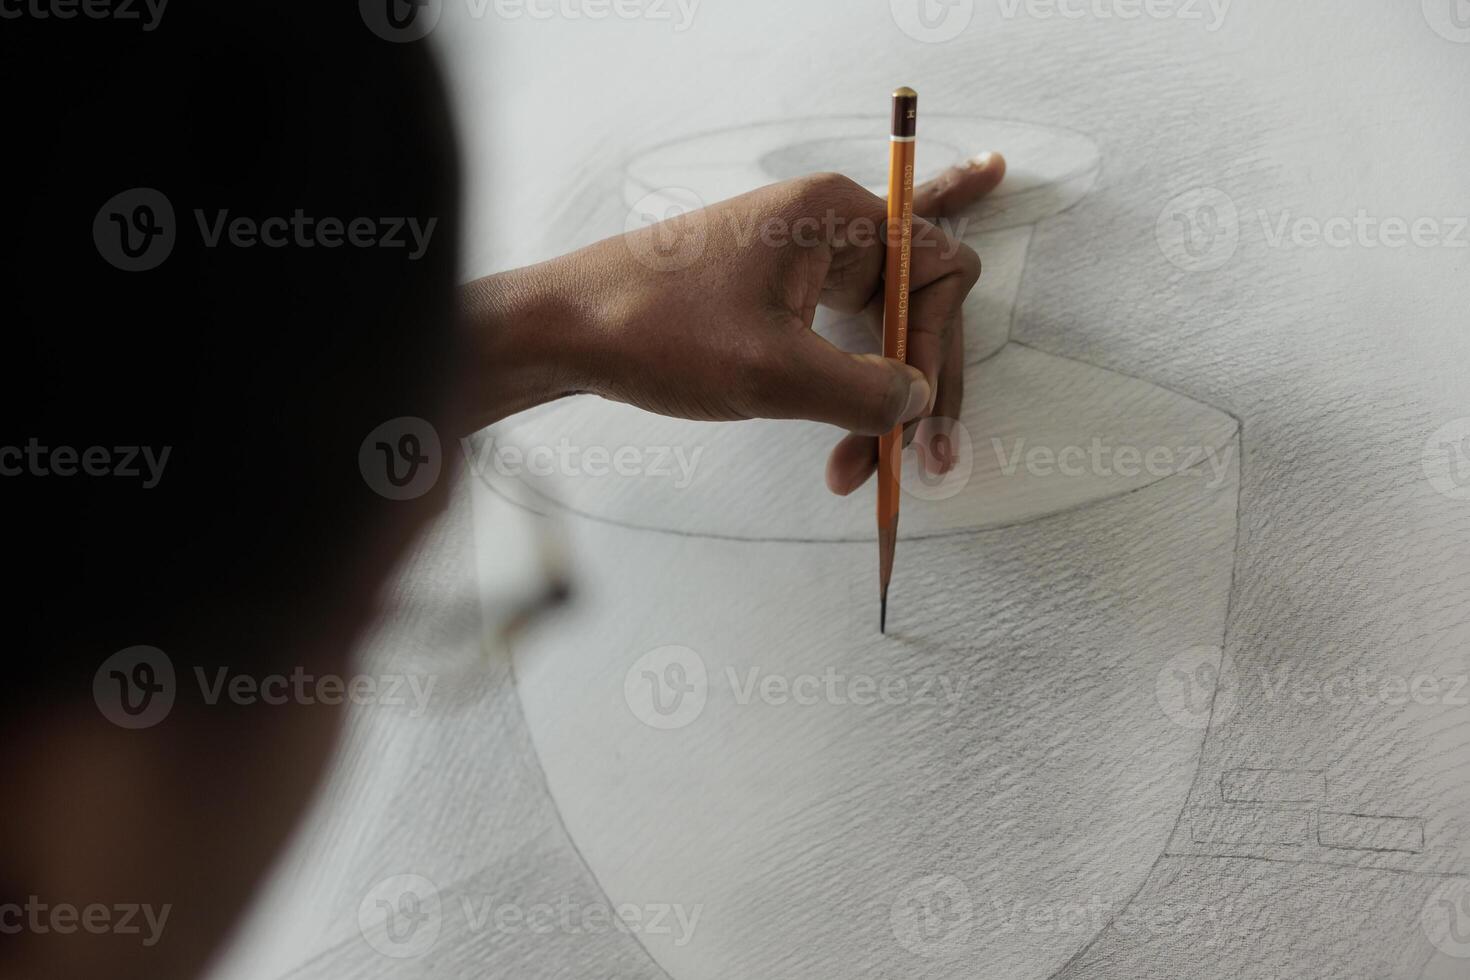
(1112, 733)
(999, 533)
(1061, 598)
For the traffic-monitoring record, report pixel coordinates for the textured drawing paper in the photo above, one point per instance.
(1202, 721)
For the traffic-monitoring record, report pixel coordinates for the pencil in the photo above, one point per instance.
(895, 322)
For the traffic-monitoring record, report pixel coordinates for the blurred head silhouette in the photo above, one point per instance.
(230, 255)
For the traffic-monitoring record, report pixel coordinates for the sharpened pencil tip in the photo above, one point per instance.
(883, 613)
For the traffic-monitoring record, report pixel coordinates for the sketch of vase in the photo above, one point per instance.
(1039, 753)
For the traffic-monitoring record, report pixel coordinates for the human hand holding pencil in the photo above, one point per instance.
(728, 336)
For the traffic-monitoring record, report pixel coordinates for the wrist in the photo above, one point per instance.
(527, 340)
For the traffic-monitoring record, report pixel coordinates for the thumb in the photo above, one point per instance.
(865, 393)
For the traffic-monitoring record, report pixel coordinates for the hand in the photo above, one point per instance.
(708, 316)
(856, 457)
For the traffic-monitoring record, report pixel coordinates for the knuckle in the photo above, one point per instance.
(830, 184)
(838, 193)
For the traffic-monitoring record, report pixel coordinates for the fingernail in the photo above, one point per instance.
(980, 160)
(941, 454)
(918, 401)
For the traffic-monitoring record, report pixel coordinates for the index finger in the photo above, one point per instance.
(960, 186)
(851, 274)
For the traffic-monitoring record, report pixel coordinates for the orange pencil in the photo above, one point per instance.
(895, 322)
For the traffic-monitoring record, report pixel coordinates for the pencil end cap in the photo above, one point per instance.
(905, 112)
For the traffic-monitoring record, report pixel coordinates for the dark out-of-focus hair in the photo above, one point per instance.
(260, 369)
